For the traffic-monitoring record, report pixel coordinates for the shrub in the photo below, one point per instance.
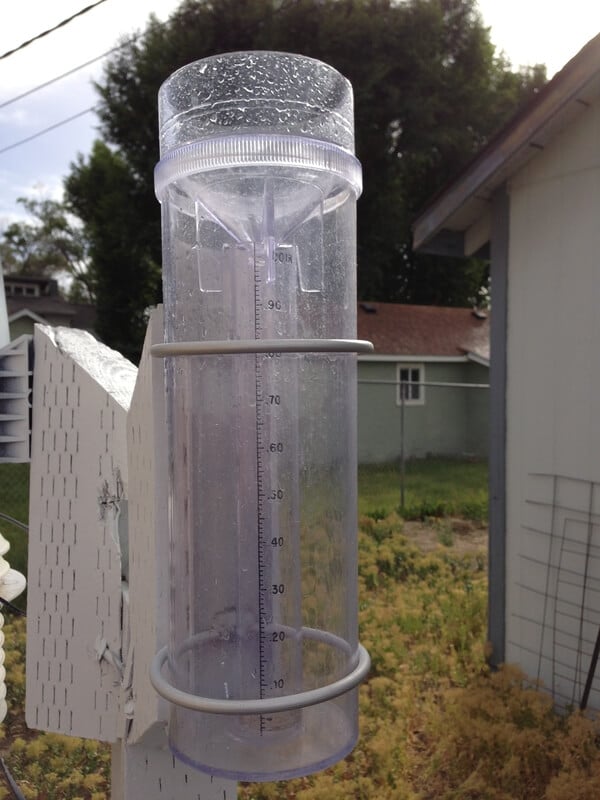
(500, 738)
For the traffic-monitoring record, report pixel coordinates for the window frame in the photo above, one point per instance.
(410, 401)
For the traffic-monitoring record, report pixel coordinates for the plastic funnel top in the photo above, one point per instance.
(253, 93)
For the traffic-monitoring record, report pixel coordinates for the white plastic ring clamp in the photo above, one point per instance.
(267, 705)
(235, 346)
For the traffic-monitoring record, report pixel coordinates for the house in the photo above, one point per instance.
(423, 391)
(31, 299)
(531, 201)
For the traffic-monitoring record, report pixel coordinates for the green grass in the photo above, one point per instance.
(432, 488)
(434, 721)
(14, 502)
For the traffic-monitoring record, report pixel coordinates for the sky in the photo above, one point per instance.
(36, 169)
(527, 31)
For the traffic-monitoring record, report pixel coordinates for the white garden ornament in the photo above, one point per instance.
(12, 584)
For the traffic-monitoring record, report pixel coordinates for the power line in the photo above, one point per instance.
(69, 72)
(133, 39)
(51, 30)
(48, 129)
(284, 7)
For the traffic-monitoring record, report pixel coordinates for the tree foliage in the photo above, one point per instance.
(103, 191)
(429, 90)
(50, 242)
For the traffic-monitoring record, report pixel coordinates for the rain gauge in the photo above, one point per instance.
(258, 185)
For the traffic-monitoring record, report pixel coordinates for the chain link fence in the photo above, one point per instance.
(410, 418)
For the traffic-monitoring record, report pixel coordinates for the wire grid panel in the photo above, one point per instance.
(558, 617)
(14, 401)
(81, 396)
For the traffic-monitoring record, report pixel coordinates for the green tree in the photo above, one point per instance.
(104, 192)
(429, 90)
(50, 242)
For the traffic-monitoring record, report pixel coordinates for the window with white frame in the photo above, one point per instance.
(409, 384)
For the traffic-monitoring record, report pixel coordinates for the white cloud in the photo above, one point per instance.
(15, 117)
(43, 186)
(45, 160)
(78, 41)
(46, 187)
(539, 31)
(529, 31)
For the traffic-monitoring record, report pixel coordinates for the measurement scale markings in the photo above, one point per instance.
(261, 499)
(270, 405)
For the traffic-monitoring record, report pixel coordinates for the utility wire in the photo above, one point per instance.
(66, 74)
(69, 72)
(284, 6)
(48, 129)
(51, 30)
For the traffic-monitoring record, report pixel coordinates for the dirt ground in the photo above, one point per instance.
(463, 536)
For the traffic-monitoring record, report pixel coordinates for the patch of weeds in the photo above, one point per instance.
(425, 509)
(377, 514)
(445, 535)
(474, 510)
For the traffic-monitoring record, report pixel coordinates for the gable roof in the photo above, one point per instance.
(40, 306)
(456, 221)
(427, 331)
(25, 312)
(40, 309)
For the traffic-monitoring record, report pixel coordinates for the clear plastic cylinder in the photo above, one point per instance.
(258, 185)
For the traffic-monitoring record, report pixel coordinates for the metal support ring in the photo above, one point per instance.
(270, 705)
(233, 346)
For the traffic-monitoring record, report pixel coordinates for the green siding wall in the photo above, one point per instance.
(451, 422)
(21, 326)
(478, 413)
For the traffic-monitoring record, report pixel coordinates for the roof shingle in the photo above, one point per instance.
(407, 330)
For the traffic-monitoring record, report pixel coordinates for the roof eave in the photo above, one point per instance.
(442, 226)
(406, 358)
(25, 312)
(478, 358)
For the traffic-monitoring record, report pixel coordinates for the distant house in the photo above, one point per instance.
(31, 299)
(531, 200)
(413, 386)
